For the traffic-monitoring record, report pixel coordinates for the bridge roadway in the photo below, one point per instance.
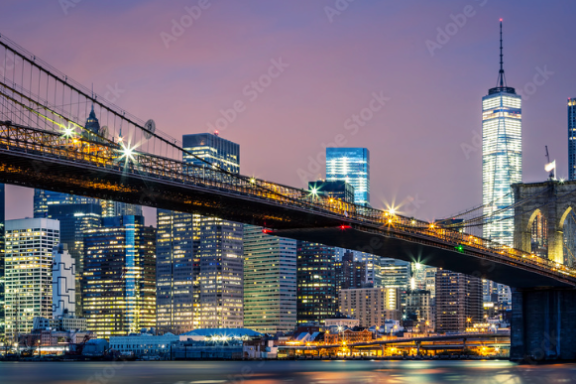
(50, 160)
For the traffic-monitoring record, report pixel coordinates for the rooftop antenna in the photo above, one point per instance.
(501, 78)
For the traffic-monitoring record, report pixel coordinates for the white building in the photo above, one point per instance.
(28, 263)
(371, 306)
(501, 156)
(63, 282)
(344, 322)
(144, 344)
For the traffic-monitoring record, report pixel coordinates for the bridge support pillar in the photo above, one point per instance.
(543, 325)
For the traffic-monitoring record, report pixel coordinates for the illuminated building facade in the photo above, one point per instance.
(74, 220)
(316, 282)
(28, 263)
(372, 306)
(175, 271)
(339, 189)
(501, 156)
(572, 138)
(269, 282)
(350, 273)
(458, 301)
(2, 249)
(353, 166)
(119, 279)
(200, 259)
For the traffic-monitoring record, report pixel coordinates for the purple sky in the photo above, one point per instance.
(334, 66)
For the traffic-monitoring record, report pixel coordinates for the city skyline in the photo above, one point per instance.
(471, 50)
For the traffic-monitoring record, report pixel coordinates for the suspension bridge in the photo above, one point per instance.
(44, 143)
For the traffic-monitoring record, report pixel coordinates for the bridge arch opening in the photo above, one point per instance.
(568, 227)
(538, 229)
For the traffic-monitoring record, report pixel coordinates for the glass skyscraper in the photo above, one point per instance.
(2, 250)
(353, 166)
(269, 281)
(200, 259)
(316, 277)
(119, 280)
(572, 138)
(501, 156)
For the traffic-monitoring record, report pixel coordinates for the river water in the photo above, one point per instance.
(272, 372)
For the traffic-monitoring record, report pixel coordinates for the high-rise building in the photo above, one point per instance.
(175, 272)
(395, 273)
(74, 220)
(28, 263)
(63, 283)
(2, 249)
(350, 273)
(372, 306)
(419, 308)
(374, 270)
(458, 301)
(501, 156)
(119, 280)
(316, 281)
(572, 138)
(339, 189)
(353, 166)
(269, 282)
(218, 272)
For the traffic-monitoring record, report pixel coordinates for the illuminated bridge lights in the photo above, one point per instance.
(459, 248)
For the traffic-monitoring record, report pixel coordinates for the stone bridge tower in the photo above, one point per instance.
(551, 200)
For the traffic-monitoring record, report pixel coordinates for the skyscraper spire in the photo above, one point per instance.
(501, 77)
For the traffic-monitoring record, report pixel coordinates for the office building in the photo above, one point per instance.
(28, 263)
(74, 220)
(269, 282)
(572, 138)
(351, 165)
(374, 270)
(175, 265)
(419, 308)
(2, 249)
(339, 189)
(63, 283)
(372, 306)
(458, 301)
(501, 156)
(316, 281)
(395, 273)
(119, 280)
(218, 249)
(350, 273)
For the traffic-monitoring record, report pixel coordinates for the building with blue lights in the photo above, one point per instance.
(353, 166)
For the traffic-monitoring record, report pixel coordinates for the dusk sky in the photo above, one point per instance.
(333, 62)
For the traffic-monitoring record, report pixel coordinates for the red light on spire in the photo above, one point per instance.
(501, 19)
(216, 132)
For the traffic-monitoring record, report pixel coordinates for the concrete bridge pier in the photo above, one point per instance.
(543, 325)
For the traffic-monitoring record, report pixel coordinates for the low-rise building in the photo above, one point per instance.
(144, 344)
(345, 322)
(349, 337)
(371, 306)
